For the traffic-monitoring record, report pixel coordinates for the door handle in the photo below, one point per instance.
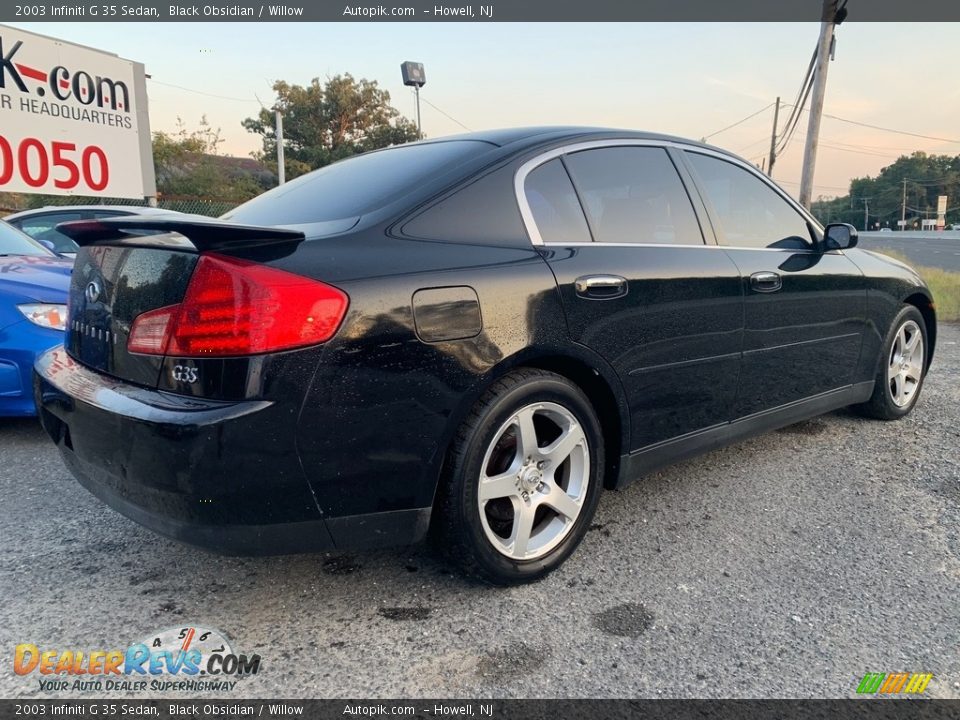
(600, 287)
(766, 282)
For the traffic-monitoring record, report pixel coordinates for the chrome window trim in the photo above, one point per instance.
(526, 212)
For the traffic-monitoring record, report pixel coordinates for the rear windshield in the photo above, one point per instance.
(355, 186)
(14, 242)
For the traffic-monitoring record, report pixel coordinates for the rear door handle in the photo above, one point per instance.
(600, 287)
(766, 282)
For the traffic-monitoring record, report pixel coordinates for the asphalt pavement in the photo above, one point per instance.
(936, 250)
(785, 566)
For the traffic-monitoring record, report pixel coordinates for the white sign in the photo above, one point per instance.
(73, 120)
(941, 205)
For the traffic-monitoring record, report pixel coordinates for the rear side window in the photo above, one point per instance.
(484, 212)
(43, 227)
(554, 204)
(751, 213)
(634, 195)
(357, 185)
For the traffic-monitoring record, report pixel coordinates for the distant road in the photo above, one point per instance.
(931, 249)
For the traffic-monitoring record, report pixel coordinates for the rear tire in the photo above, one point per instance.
(901, 368)
(523, 479)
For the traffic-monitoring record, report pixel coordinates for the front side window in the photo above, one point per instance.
(751, 213)
(634, 195)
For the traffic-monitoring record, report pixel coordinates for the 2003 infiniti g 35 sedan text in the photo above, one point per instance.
(473, 335)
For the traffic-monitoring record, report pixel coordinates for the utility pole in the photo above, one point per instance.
(773, 139)
(281, 168)
(827, 20)
(903, 208)
(415, 76)
(866, 213)
(416, 89)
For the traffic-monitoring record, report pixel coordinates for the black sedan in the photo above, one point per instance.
(471, 336)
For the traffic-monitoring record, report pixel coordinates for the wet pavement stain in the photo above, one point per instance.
(154, 575)
(627, 620)
(512, 660)
(405, 613)
(169, 607)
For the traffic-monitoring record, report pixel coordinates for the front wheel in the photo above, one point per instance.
(902, 367)
(523, 479)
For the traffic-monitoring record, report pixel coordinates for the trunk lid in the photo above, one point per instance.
(120, 273)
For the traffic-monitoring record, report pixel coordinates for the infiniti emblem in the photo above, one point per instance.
(93, 291)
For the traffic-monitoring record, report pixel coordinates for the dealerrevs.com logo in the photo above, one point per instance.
(193, 659)
(61, 82)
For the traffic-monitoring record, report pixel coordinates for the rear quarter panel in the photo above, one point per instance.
(383, 405)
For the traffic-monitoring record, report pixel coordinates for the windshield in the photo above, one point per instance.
(14, 242)
(355, 186)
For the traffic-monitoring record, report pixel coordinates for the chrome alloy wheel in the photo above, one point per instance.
(534, 481)
(905, 369)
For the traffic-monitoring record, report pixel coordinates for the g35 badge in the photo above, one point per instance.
(185, 373)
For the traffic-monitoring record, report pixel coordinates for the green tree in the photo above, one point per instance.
(188, 165)
(926, 176)
(328, 122)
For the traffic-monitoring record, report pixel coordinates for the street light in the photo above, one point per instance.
(414, 75)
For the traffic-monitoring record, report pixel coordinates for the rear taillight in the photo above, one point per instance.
(237, 307)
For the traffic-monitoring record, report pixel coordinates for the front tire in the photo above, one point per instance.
(523, 479)
(901, 369)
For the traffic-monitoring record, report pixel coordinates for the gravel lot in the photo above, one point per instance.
(785, 566)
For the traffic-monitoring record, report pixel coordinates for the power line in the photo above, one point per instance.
(201, 92)
(802, 94)
(819, 187)
(932, 210)
(862, 149)
(788, 135)
(901, 132)
(861, 146)
(755, 142)
(929, 183)
(891, 130)
(858, 152)
(445, 114)
(738, 122)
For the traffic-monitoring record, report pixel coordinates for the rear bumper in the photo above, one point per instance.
(224, 476)
(219, 475)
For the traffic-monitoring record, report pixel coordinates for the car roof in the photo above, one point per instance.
(531, 136)
(49, 209)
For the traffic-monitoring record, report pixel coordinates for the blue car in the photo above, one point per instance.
(33, 313)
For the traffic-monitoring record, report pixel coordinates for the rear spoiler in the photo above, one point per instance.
(204, 233)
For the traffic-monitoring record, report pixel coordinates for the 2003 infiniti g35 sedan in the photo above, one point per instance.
(473, 335)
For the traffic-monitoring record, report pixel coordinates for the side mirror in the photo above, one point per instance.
(48, 245)
(839, 236)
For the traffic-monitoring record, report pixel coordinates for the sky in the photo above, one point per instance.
(685, 79)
